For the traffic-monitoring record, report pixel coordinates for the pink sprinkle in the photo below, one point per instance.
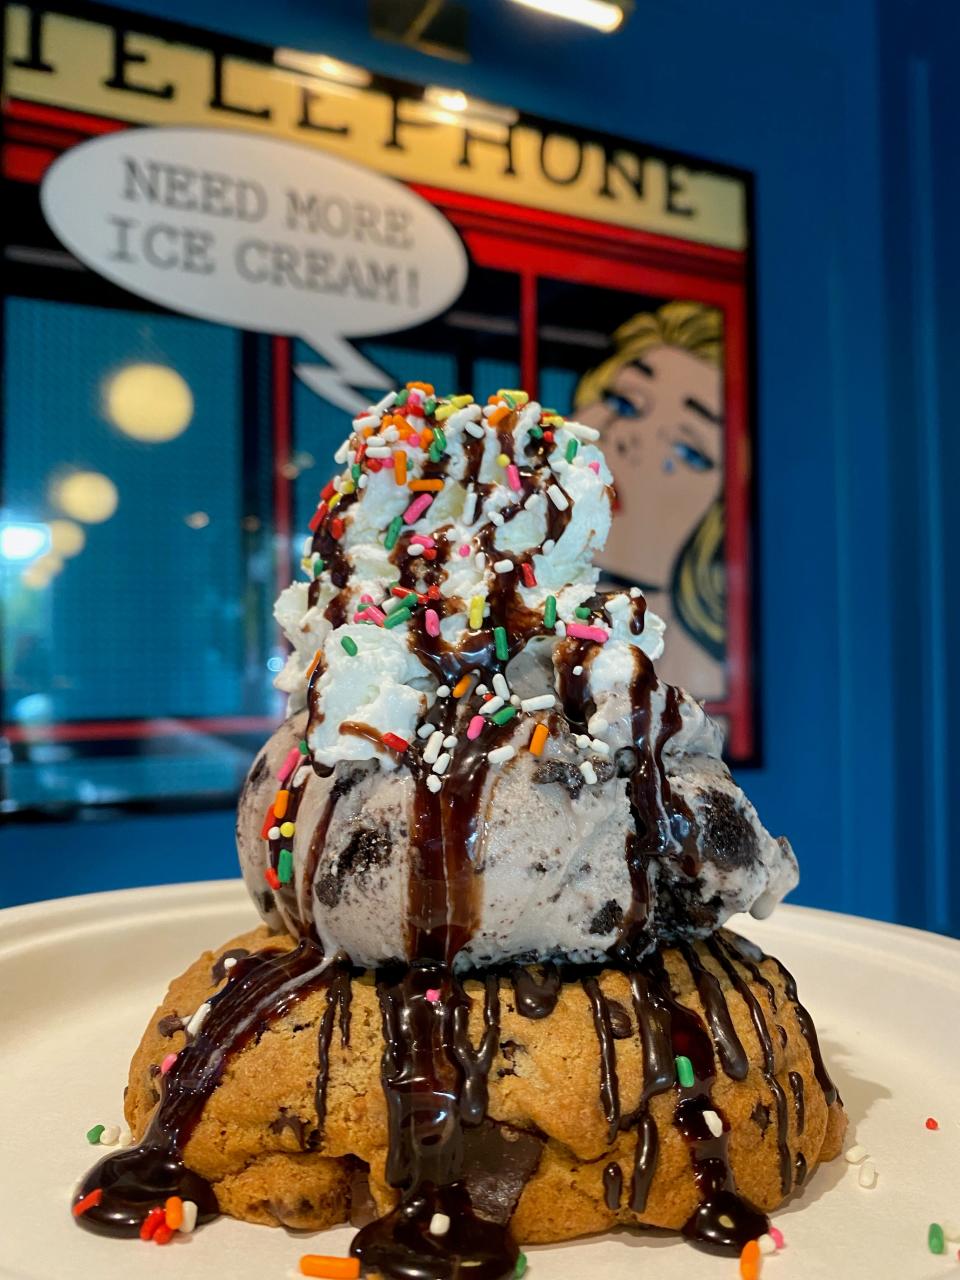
(171, 1058)
(475, 727)
(370, 613)
(433, 622)
(289, 764)
(433, 994)
(365, 599)
(513, 477)
(423, 540)
(463, 550)
(594, 467)
(417, 507)
(415, 400)
(580, 632)
(776, 1235)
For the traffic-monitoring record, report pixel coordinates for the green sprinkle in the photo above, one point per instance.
(500, 643)
(435, 452)
(550, 612)
(935, 1239)
(93, 1135)
(536, 432)
(303, 747)
(355, 470)
(430, 405)
(318, 567)
(393, 532)
(508, 399)
(572, 447)
(402, 397)
(582, 611)
(503, 715)
(685, 1074)
(285, 866)
(394, 619)
(349, 645)
(521, 1267)
(440, 436)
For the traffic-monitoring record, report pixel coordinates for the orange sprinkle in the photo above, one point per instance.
(426, 387)
(280, 803)
(326, 1268)
(400, 466)
(315, 663)
(426, 437)
(425, 486)
(538, 738)
(173, 1212)
(89, 1201)
(461, 687)
(498, 415)
(492, 399)
(750, 1261)
(367, 432)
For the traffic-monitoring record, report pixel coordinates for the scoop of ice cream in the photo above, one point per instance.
(481, 764)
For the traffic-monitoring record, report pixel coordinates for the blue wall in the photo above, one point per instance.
(840, 107)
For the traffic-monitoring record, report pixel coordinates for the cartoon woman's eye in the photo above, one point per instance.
(620, 405)
(692, 456)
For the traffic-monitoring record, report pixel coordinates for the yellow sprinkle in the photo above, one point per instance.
(502, 460)
(461, 687)
(460, 401)
(444, 411)
(476, 612)
(554, 419)
(348, 486)
(287, 828)
(520, 397)
(333, 501)
(537, 741)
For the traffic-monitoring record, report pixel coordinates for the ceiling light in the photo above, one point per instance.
(89, 496)
(602, 15)
(150, 402)
(23, 541)
(322, 67)
(66, 538)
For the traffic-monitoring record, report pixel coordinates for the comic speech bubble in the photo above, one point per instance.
(261, 234)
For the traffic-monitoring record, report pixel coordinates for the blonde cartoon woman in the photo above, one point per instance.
(658, 404)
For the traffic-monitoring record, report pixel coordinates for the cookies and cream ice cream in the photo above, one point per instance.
(480, 759)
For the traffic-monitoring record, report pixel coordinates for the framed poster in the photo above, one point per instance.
(610, 278)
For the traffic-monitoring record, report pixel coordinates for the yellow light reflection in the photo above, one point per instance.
(89, 496)
(66, 537)
(150, 402)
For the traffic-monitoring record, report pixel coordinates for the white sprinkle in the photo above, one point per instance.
(230, 962)
(480, 561)
(433, 783)
(425, 730)
(388, 401)
(500, 685)
(379, 451)
(368, 420)
(189, 1219)
(307, 547)
(598, 725)
(467, 417)
(561, 628)
(392, 602)
(391, 435)
(489, 409)
(196, 1022)
(492, 706)
(529, 415)
(126, 1138)
(713, 1123)
(635, 593)
(440, 768)
(432, 750)
(600, 747)
(302, 774)
(443, 691)
(582, 741)
(450, 742)
(502, 566)
(856, 1154)
(589, 773)
(439, 1224)
(868, 1175)
(473, 429)
(273, 833)
(535, 500)
(362, 482)
(469, 506)
(110, 1136)
(542, 702)
(501, 755)
(514, 700)
(342, 453)
(557, 497)
(548, 546)
(414, 549)
(582, 431)
(766, 1244)
(495, 518)
(578, 670)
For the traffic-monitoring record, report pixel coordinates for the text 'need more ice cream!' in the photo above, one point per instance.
(480, 765)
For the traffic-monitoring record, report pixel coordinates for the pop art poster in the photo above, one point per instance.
(285, 235)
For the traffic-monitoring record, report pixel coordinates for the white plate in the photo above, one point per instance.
(79, 978)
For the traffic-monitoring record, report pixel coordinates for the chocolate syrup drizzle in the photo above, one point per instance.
(435, 1080)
